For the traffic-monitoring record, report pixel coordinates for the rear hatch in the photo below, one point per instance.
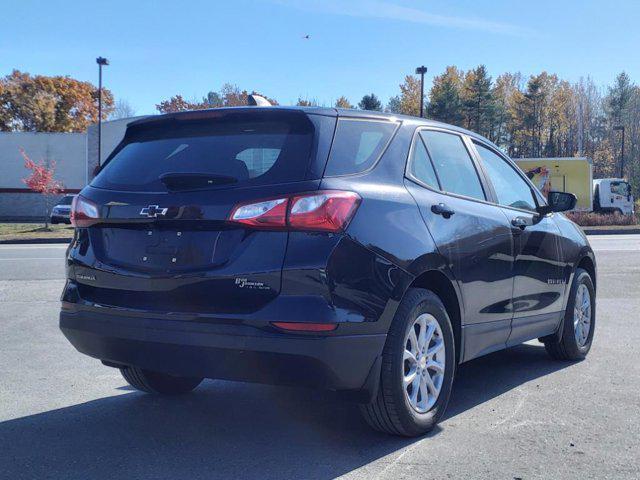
(163, 242)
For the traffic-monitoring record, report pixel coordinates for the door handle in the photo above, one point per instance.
(442, 209)
(519, 222)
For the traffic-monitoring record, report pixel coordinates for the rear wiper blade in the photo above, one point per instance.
(191, 181)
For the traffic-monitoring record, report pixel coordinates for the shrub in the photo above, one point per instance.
(592, 219)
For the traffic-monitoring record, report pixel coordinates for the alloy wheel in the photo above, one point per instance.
(582, 315)
(423, 363)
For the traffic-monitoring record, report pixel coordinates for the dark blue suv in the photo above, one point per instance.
(356, 251)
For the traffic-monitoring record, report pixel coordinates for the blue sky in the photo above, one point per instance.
(161, 48)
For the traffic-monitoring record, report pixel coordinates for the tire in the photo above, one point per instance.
(54, 222)
(158, 383)
(566, 346)
(391, 411)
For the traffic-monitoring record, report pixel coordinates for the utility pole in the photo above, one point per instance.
(621, 128)
(421, 71)
(101, 61)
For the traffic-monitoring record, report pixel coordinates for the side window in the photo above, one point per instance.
(620, 188)
(357, 145)
(510, 187)
(420, 166)
(453, 164)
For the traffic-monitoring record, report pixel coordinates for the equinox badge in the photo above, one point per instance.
(153, 211)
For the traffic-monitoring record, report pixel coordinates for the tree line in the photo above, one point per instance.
(538, 116)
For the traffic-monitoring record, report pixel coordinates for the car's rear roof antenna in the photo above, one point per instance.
(257, 101)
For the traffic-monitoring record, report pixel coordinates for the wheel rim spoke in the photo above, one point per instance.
(422, 333)
(415, 389)
(439, 345)
(413, 340)
(437, 366)
(432, 388)
(424, 395)
(429, 336)
(410, 357)
(408, 379)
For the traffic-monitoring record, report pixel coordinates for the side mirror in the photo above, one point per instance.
(559, 202)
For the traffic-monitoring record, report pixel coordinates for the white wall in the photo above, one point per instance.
(68, 150)
(75, 155)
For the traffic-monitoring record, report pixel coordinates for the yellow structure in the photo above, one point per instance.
(564, 174)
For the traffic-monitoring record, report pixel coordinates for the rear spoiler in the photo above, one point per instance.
(224, 111)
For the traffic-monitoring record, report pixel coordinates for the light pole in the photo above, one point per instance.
(421, 71)
(621, 128)
(101, 61)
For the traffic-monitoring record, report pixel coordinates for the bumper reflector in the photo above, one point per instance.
(305, 327)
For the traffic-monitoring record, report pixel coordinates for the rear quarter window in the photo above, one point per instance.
(357, 145)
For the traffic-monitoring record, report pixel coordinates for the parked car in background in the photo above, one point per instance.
(61, 213)
(356, 251)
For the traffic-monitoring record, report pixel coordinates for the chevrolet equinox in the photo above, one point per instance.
(361, 252)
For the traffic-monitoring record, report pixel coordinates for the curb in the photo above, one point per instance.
(611, 231)
(23, 241)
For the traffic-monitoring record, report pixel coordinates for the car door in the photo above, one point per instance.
(539, 285)
(471, 234)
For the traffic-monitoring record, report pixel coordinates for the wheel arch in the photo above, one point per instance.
(588, 264)
(444, 288)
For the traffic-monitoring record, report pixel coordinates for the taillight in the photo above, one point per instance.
(266, 214)
(84, 213)
(325, 211)
(328, 211)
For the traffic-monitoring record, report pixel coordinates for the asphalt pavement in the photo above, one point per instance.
(513, 414)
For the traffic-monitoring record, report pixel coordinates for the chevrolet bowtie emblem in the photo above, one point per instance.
(153, 211)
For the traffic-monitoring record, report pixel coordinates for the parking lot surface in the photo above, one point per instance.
(513, 414)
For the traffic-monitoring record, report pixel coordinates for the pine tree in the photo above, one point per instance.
(477, 100)
(370, 102)
(444, 97)
(394, 105)
(619, 97)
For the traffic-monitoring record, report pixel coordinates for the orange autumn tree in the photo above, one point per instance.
(42, 180)
(40, 103)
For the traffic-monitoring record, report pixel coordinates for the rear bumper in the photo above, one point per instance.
(337, 362)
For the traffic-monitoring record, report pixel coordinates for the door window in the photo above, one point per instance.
(510, 187)
(453, 164)
(420, 166)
